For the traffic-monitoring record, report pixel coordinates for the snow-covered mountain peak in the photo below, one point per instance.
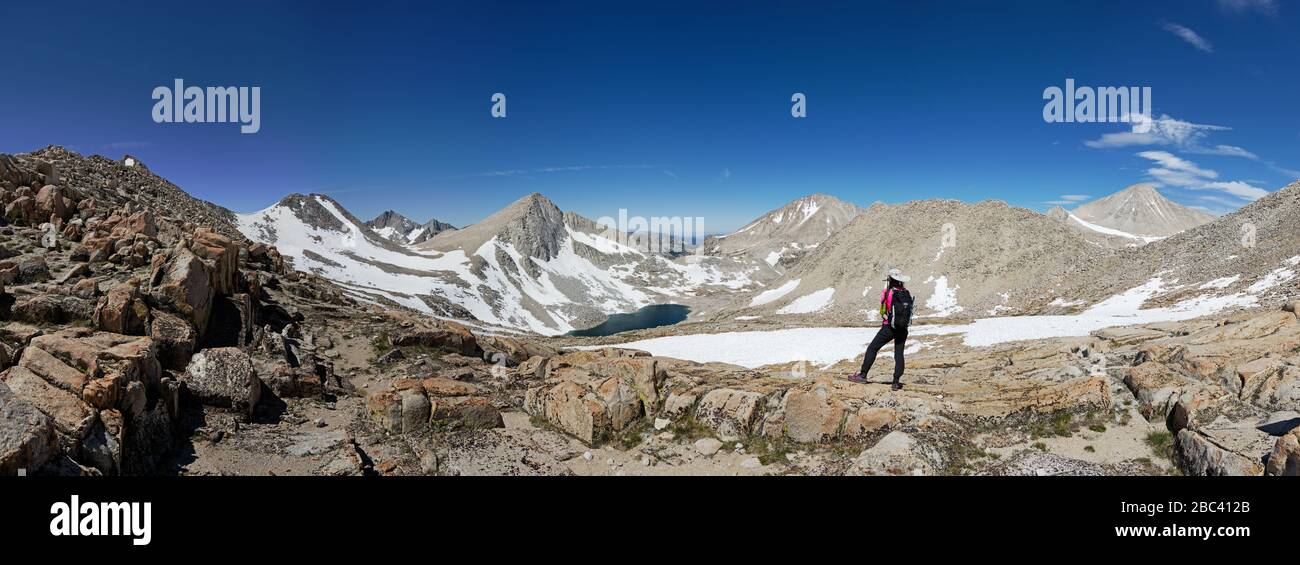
(783, 235)
(523, 267)
(1142, 211)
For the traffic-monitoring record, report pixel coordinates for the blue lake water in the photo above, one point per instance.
(651, 316)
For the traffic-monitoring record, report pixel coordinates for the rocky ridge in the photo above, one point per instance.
(1253, 251)
(403, 230)
(965, 260)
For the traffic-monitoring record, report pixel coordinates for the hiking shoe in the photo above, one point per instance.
(897, 386)
(858, 378)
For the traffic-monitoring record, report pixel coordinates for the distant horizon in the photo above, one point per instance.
(614, 106)
(709, 231)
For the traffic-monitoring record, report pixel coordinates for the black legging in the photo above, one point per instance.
(886, 335)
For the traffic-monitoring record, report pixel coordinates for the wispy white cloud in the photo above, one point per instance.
(1172, 170)
(1228, 150)
(1219, 202)
(1239, 189)
(1234, 151)
(1186, 34)
(1267, 7)
(1164, 130)
(1172, 162)
(1186, 137)
(1068, 199)
(726, 174)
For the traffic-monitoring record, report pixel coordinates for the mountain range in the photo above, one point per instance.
(530, 266)
(534, 267)
(399, 228)
(157, 333)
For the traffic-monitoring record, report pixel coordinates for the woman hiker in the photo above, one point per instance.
(895, 315)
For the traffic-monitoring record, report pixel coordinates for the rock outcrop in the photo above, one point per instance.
(224, 377)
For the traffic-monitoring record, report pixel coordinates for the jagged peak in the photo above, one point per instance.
(387, 217)
(535, 199)
(293, 199)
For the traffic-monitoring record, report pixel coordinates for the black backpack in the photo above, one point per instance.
(900, 313)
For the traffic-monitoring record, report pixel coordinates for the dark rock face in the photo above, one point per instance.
(390, 219)
(311, 212)
(48, 309)
(405, 230)
(174, 339)
(451, 336)
(224, 377)
(295, 382)
(24, 270)
(429, 229)
(27, 438)
(231, 322)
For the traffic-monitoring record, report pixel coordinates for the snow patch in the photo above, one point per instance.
(821, 346)
(1119, 310)
(1223, 282)
(827, 346)
(1271, 280)
(809, 209)
(774, 257)
(775, 294)
(810, 303)
(944, 299)
(1063, 303)
(1003, 306)
(1112, 231)
(601, 243)
(388, 233)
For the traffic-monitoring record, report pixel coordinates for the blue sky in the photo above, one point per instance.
(667, 108)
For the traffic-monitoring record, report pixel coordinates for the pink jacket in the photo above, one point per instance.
(886, 303)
